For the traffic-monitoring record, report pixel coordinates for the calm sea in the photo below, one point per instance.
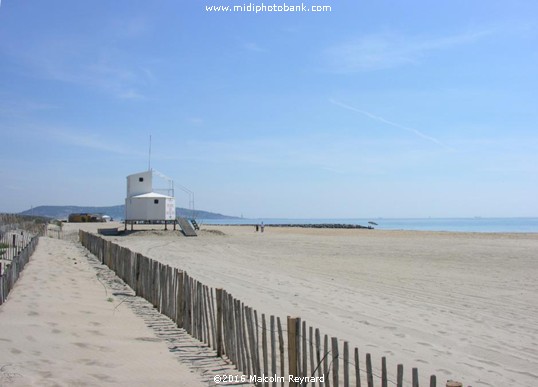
(427, 224)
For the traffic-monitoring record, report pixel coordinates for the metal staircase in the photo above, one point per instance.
(186, 227)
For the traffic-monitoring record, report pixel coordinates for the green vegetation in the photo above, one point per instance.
(3, 247)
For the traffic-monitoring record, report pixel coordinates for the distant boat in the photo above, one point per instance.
(373, 223)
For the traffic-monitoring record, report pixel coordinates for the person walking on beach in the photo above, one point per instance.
(262, 227)
(257, 228)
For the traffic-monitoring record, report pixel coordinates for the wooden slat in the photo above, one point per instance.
(241, 345)
(273, 348)
(311, 354)
(246, 345)
(281, 350)
(415, 377)
(335, 359)
(357, 369)
(208, 327)
(180, 299)
(369, 374)
(212, 318)
(218, 294)
(346, 364)
(298, 346)
(399, 376)
(304, 371)
(292, 348)
(383, 372)
(326, 355)
(256, 326)
(319, 365)
(264, 350)
(252, 341)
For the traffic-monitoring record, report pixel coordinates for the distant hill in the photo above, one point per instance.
(116, 212)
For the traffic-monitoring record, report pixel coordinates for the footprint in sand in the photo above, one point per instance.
(45, 374)
(15, 351)
(104, 378)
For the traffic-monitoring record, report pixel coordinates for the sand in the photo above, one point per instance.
(459, 305)
(60, 327)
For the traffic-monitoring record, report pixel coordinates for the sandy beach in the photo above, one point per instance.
(458, 305)
(62, 326)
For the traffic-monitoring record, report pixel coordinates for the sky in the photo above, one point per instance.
(372, 109)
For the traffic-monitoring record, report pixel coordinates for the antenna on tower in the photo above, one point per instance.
(149, 158)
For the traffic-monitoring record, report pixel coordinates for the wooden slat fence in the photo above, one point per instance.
(12, 242)
(256, 343)
(11, 270)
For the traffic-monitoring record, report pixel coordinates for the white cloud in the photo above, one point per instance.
(388, 50)
(91, 141)
(196, 121)
(86, 62)
(253, 47)
(133, 27)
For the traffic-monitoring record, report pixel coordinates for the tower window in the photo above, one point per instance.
(140, 179)
(156, 201)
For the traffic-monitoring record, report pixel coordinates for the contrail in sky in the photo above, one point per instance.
(381, 119)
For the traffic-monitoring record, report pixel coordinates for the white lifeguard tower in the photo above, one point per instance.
(147, 203)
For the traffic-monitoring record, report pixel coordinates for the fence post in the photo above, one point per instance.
(369, 374)
(415, 377)
(335, 360)
(292, 349)
(384, 372)
(399, 377)
(218, 293)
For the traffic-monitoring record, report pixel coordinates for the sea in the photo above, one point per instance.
(498, 225)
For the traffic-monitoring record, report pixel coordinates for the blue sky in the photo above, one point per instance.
(384, 108)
